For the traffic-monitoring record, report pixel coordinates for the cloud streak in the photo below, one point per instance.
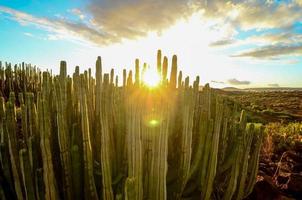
(223, 42)
(219, 82)
(273, 85)
(274, 38)
(238, 82)
(273, 51)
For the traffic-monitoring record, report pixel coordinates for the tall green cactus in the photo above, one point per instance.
(89, 184)
(106, 147)
(158, 64)
(212, 163)
(45, 132)
(13, 143)
(5, 163)
(173, 72)
(165, 69)
(26, 175)
(134, 187)
(137, 73)
(63, 134)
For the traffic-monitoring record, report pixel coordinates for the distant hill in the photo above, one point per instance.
(264, 89)
(231, 89)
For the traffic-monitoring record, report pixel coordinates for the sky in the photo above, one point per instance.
(235, 43)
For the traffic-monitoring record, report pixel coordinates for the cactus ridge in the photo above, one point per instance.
(85, 137)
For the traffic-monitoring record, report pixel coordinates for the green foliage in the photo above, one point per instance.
(281, 137)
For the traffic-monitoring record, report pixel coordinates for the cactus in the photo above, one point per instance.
(133, 185)
(254, 159)
(185, 139)
(44, 128)
(90, 189)
(63, 135)
(158, 61)
(39, 184)
(44, 117)
(106, 143)
(111, 76)
(137, 81)
(247, 142)
(12, 142)
(124, 77)
(84, 137)
(212, 165)
(165, 69)
(98, 94)
(63, 69)
(179, 81)
(129, 79)
(173, 72)
(7, 179)
(26, 175)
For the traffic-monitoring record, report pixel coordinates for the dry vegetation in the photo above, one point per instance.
(270, 106)
(281, 160)
(280, 169)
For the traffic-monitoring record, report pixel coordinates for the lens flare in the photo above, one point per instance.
(153, 122)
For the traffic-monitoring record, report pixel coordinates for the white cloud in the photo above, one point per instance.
(77, 12)
(256, 14)
(136, 18)
(28, 34)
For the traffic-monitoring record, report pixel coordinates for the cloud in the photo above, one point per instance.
(77, 12)
(237, 82)
(61, 28)
(274, 38)
(219, 82)
(273, 51)
(257, 14)
(106, 21)
(28, 34)
(273, 85)
(223, 42)
(111, 21)
(299, 2)
(292, 61)
(135, 18)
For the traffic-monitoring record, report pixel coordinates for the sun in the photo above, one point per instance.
(151, 78)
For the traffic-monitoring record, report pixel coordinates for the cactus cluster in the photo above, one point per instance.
(86, 137)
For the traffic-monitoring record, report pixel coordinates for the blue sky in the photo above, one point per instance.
(227, 43)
